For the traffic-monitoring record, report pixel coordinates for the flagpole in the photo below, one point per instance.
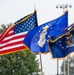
(64, 7)
(41, 65)
(57, 67)
(68, 66)
(34, 7)
(41, 68)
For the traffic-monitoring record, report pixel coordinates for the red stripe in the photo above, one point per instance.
(1, 37)
(9, 34)
(12, 44)
(5, 33)
(12, 50)
(14, 38)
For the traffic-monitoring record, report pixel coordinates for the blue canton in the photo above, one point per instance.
(26, 25)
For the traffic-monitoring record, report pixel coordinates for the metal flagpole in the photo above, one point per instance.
(57, 67)
(41, 68)
(41, 65)
(64, 6)
(61, 6)
(68, 66)
(64, 65)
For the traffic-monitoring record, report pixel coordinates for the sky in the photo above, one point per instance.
(13, 10)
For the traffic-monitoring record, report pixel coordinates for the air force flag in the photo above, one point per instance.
(37, 39)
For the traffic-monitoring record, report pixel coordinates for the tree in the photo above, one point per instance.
(3, 27)
(19, 63)
(70, 60)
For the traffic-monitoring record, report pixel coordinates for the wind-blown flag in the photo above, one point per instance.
(11, 40)
(37, 38)
(63, 45)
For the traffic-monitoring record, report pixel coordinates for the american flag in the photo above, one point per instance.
(11, 40)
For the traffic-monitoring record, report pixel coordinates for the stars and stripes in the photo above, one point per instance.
(11, 40)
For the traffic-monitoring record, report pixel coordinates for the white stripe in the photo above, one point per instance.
(10, 47)
(19, 34)
(12, 41)
(10, 32)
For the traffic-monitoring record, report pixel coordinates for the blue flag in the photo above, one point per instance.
(63, 45)
(37, 38)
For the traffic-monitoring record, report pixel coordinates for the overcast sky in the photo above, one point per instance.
(13, 10)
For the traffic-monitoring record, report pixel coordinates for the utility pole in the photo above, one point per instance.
(64, 7)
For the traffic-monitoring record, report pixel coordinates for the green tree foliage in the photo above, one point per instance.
(3, 27)
(68, 63)
(18, 63)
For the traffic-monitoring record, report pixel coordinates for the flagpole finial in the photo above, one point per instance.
(34, 7)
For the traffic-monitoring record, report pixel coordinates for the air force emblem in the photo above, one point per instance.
(42, 40)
